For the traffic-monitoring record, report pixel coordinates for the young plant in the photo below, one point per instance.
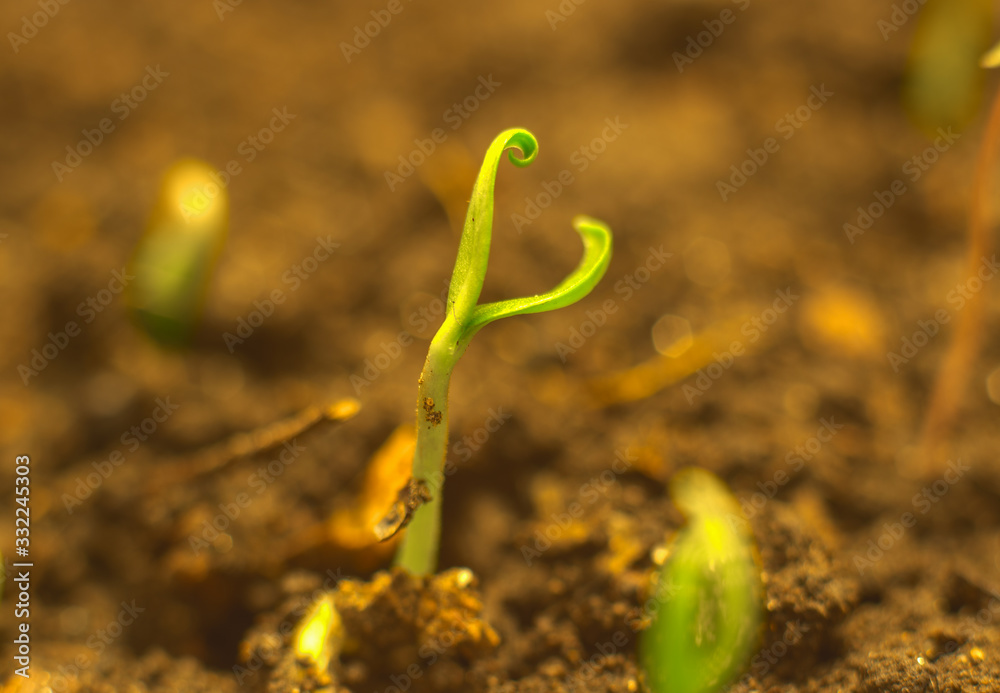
(465, 317)
(709, 593)
(174, 260)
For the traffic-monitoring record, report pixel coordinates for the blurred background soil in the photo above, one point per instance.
(816, 417)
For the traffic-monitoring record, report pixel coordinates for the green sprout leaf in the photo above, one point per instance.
(418, 553)
(709, 595)
(596, 257)
(174, 260)
(474, 248)
(942, 84)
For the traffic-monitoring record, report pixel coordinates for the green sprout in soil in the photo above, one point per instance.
(173, 262)
(464, 318)
(709, 594)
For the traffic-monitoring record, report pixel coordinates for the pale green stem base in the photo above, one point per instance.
(419, 551)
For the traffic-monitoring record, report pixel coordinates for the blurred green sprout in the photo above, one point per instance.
(174, 260)
(709, 594)
(943, 82)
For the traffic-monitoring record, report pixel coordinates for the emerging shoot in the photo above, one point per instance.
(709, 594)
(175, 259)
(465, 317)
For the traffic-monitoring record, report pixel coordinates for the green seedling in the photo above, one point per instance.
(176, 256)
(464, 318)
(709, 594)
(319, 637)
(942, 85)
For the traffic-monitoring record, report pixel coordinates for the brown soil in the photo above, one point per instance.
(130, 591)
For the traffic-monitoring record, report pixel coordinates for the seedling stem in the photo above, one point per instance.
(464, 317)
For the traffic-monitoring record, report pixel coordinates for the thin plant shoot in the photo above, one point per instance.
(464, 318)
